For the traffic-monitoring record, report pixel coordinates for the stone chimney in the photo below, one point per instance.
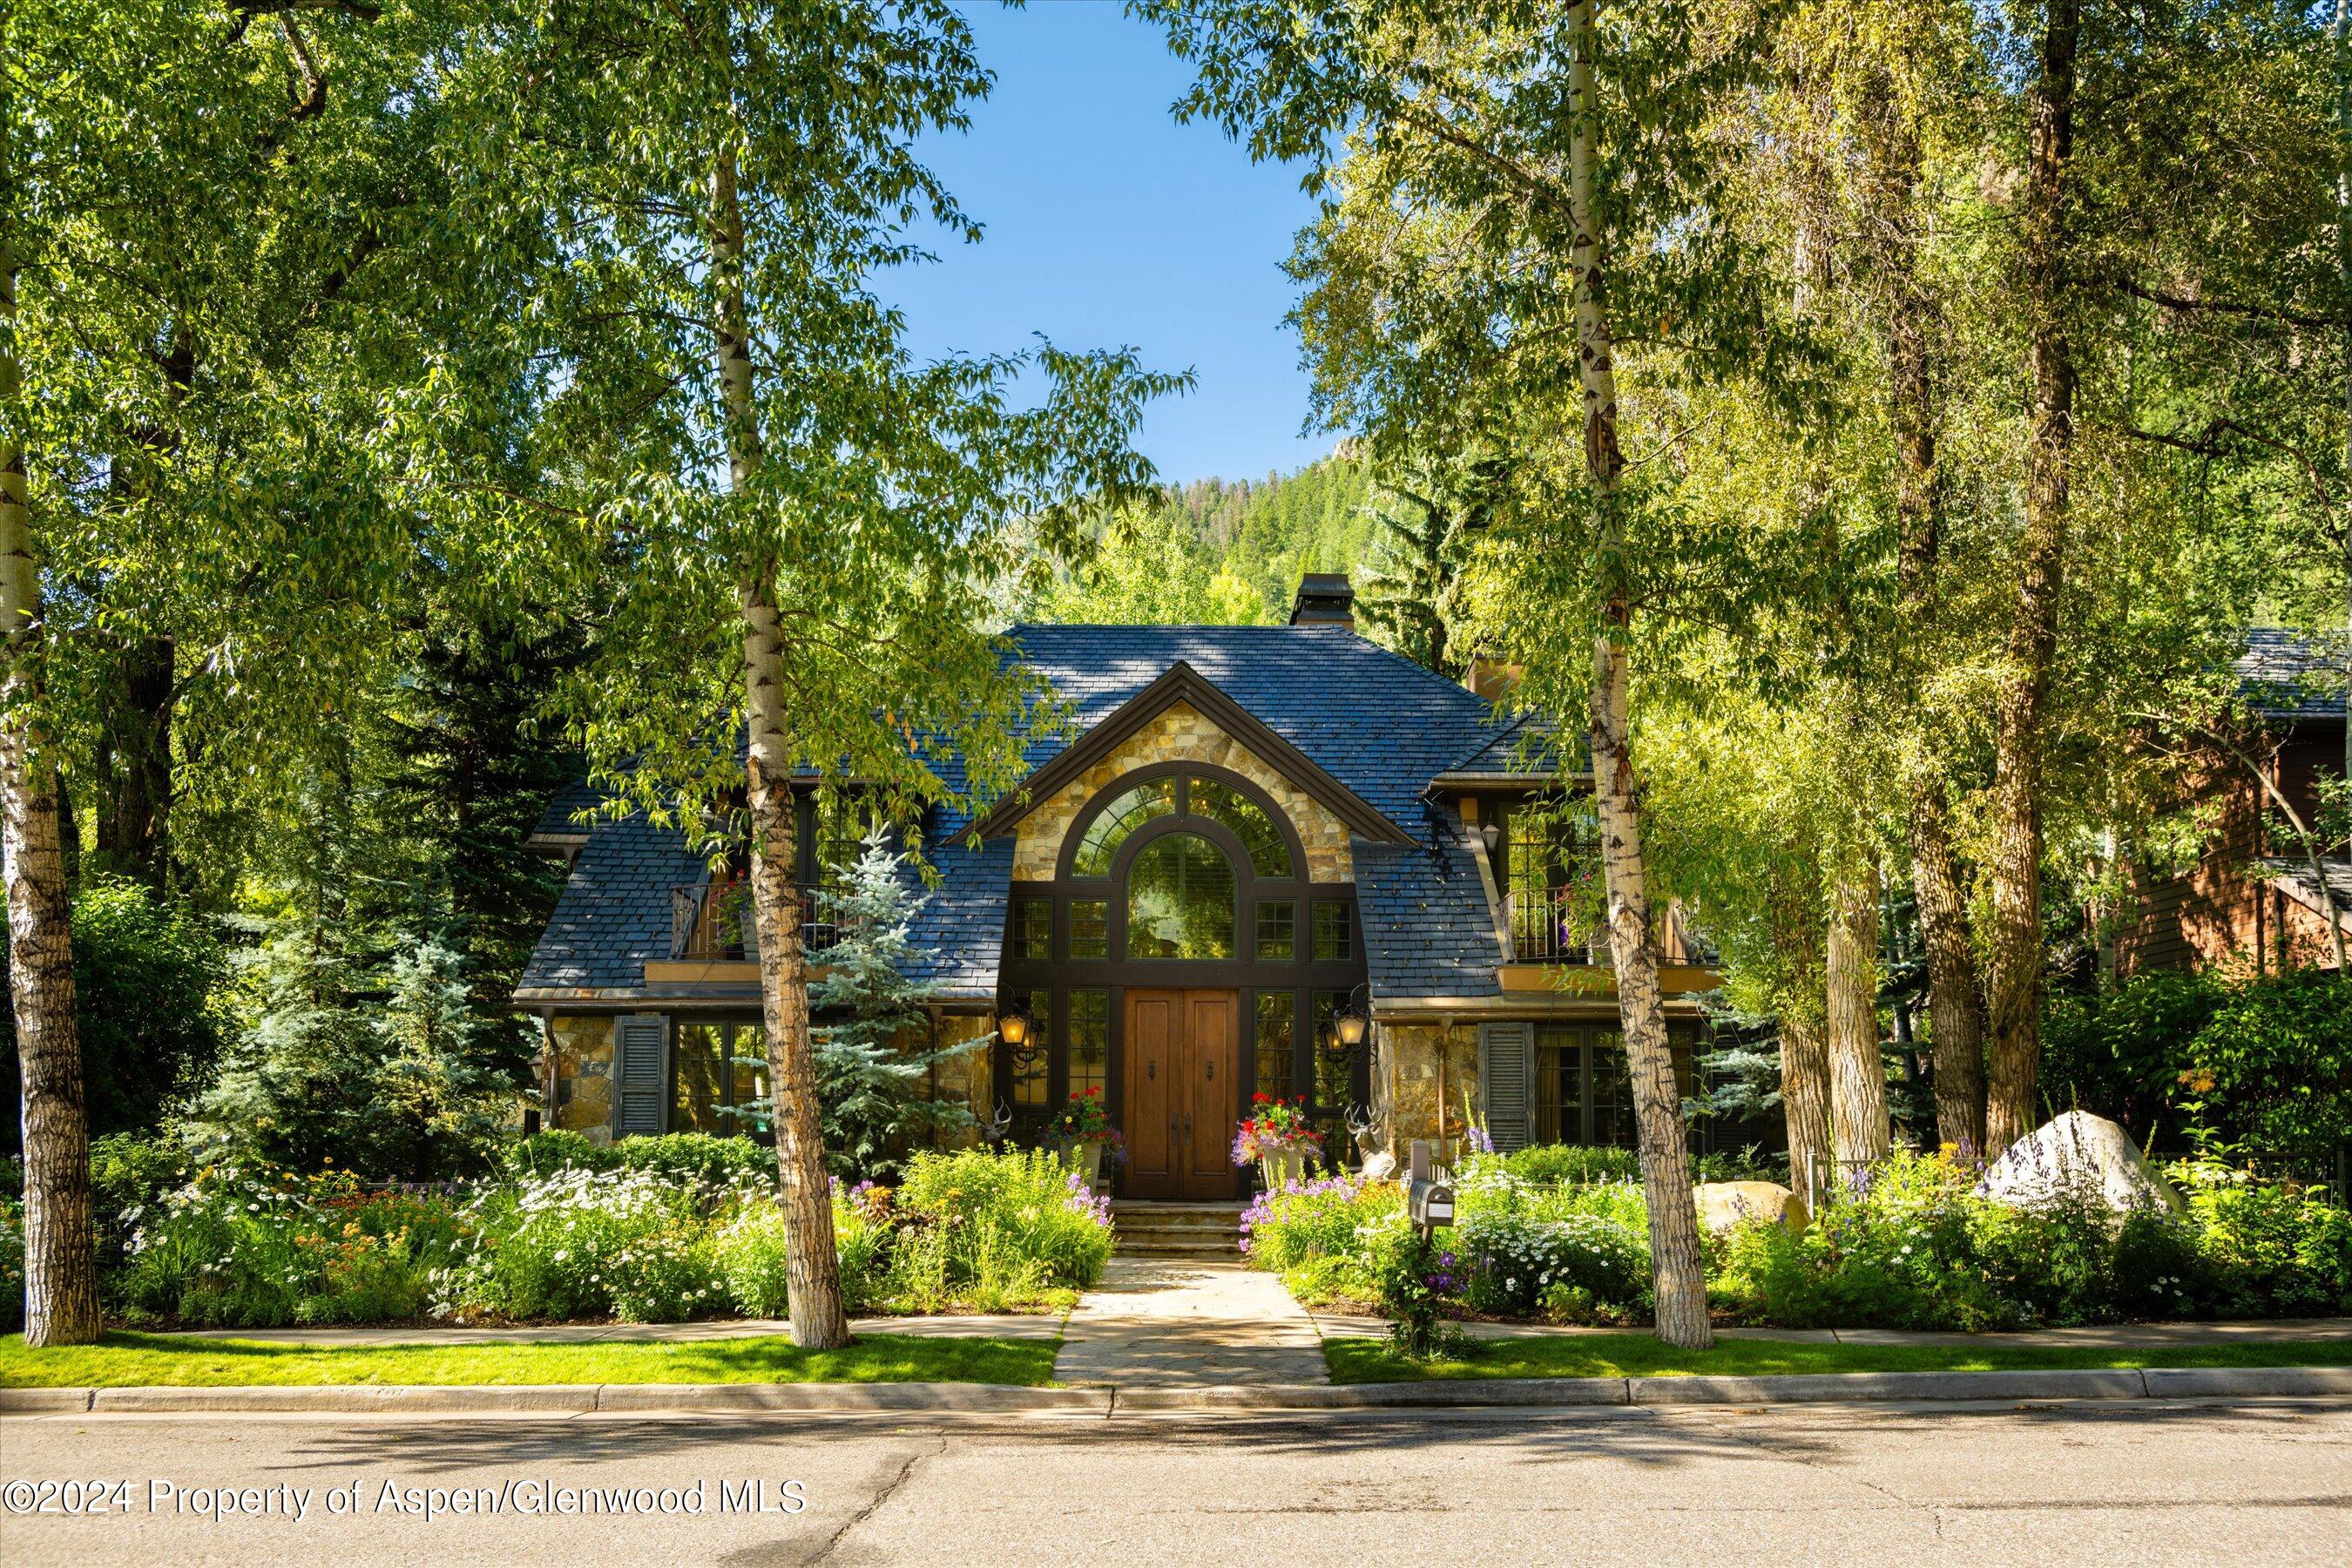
(1325, 599)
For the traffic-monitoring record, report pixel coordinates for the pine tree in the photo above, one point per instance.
(873, 1072)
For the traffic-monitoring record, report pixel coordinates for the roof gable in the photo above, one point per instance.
(1181, 683)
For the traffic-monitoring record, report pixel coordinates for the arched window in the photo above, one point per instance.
(1245, 820)
(1122, 816)
(1179, 899)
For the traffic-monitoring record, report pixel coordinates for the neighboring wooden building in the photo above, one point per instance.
(1254, 831)
(2251, 899)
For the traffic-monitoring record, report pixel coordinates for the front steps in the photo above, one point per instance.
(1200, 1232)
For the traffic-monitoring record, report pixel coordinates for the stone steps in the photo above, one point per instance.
(1208, 1231)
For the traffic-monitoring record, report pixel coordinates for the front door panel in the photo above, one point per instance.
(1209, 1057)
(1154, 1054)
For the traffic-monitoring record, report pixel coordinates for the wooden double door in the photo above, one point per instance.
(1182, 1070)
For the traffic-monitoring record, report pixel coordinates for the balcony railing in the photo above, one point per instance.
(1544, 930)
(712, 920)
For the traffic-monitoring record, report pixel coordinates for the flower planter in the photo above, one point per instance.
(1087, 1160)
(1279, 1167)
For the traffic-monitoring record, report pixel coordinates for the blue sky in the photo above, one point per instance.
(1107, 223)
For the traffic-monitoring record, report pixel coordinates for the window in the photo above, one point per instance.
(1032, 927)
(1088, 1037)
(1334, 935)
(1551, 873)
(718, 1077)
(1130, 810)
(1026, 1064)
(1180, 900)
(1582, 1094)
(1277, 935)
(1277, 1040)
(842, 821)
(1245, 820)
(1089, 928)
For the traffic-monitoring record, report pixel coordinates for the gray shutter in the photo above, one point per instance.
(641, 1044)
(1505, 1055)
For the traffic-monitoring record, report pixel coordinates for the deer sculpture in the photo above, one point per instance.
(994, 1130)
(1361, 1126)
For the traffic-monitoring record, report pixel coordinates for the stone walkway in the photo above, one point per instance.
(1003, 1326)
(1180, 1323)
(2102, 1336)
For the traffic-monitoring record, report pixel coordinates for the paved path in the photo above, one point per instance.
(1000, 1325)
(2268, 1484)
(1178, 1323)
(2104, 1336)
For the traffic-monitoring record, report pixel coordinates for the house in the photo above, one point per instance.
(1253, 833)
(2251, 898)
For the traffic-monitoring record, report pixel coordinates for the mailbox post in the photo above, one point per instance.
(1429, 1203)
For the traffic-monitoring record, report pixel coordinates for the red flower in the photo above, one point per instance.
(1259, 1099)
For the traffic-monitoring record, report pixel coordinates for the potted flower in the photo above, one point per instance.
(1084, 1127)
(1279, 1137)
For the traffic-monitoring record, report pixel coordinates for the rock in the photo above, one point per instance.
(1722, 1204)
(2078, 1154)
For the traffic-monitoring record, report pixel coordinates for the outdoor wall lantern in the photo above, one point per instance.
(1350, 1026)
(1014, 1029)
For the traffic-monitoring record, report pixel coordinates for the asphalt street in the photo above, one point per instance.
(2267, 1483)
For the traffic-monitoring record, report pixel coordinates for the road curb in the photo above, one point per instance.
(973, 1398)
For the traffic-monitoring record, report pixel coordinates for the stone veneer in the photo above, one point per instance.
(1181, 733)
(583, 1052)
(1405, 1079)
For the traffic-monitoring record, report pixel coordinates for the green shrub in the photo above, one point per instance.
(12, 1264)
(127, 1174)
(2271, 1250)
(2272, 1072)
(544, 1154)
(712, 1162)
(1595, 1267)
(752, 1259)
(1565, 1162)
(992, 1211)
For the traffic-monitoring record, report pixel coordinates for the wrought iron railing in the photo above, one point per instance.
(712, 920)
(1542, 932)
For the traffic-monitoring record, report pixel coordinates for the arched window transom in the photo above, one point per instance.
(1122, 816)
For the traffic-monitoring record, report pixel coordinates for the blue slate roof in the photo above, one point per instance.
(2288, 675)
(1380, 724)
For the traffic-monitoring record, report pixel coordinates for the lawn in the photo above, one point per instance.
(124, 1360)
(1635, 1354)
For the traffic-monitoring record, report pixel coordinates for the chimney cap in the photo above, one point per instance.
(1325, 598)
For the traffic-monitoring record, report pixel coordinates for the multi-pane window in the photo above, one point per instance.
(1334, 935)
(1582, 1094)
(1179, 899)
(1277, 1040)
(1123, 815)
(1552, 874)
(1089, 928)
(718, 1077)
(1245, 820)
(1277, 931)
(1032, 927)
(1088, 1038)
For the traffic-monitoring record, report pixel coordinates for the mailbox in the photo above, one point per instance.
(1429, 1204)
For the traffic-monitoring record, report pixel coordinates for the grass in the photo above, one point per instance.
(1637, 1354)
(126, 1360)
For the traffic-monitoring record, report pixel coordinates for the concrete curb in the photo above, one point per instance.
(975, 1398)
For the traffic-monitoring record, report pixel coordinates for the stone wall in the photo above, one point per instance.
(582, 1053)
(1405, 1080)
(963, 1078)
(1181, 733)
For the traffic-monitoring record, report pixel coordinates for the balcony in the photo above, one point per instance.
(711, 922)
(1544, 930)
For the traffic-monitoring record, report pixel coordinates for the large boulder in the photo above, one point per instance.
(1723, 1205)
(2078, 1155)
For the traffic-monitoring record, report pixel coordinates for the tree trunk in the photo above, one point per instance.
(1805, 1101)
(60, 1266)
(1954, 1010)
(2014, 983)
(812, 1264)
(1677, 1272)
(134, 805)
(1911, 321)
(1858, 1121)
